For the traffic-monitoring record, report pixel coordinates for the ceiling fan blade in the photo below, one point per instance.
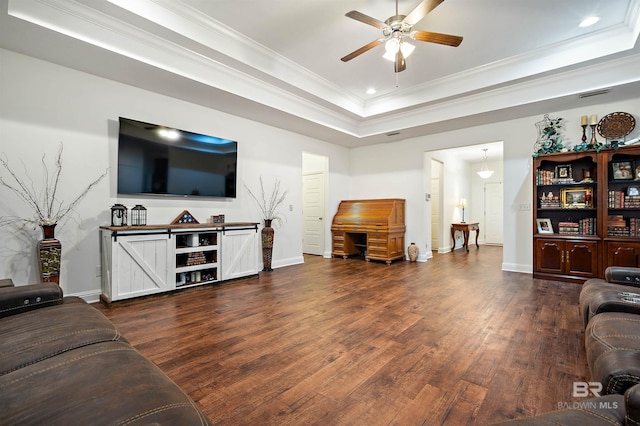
(400, 64)
(446, 39)
(363, 49)
(354, 14)
(421, 11)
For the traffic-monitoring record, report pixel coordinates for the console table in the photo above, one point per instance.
(466, 229)
(142, 260)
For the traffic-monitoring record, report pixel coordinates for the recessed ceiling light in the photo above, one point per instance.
(371, 91)
(587, 22)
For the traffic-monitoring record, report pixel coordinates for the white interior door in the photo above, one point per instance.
(493, 213)
(312, 213)
(436, 171)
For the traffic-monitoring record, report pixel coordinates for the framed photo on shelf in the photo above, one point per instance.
(633, 191)
(576, 197)
(564, 171)
(622, 170)
(544, 226)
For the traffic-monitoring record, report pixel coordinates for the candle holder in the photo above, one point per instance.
(593, 135)
(584, 133)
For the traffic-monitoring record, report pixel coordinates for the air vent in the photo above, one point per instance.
(594, 93)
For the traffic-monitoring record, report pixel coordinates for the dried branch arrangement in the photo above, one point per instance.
(269, 205)
(47, 208)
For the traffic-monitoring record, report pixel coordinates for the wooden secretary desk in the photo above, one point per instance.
(373, 229)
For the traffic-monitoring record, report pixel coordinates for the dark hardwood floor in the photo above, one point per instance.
(346, 342)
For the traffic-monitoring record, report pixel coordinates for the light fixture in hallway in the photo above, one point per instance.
(484, 171)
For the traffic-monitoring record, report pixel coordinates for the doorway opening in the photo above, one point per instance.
(454, 183)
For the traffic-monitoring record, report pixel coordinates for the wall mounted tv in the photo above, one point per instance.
(155, 159)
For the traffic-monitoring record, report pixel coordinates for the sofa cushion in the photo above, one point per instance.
(599, 296)
(612, 344)
(105, 383)
(42, 333)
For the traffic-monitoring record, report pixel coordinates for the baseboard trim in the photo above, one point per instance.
(515, 267)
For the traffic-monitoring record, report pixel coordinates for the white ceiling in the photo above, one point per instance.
(278, 61)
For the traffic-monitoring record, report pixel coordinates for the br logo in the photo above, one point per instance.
(585, 389)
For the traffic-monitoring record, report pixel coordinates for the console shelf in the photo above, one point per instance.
(143, 260)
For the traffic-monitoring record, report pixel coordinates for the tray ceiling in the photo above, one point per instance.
(278, 61)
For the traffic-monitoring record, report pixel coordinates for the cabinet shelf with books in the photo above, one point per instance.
(587, 213)
(566, 238)
(622, 214)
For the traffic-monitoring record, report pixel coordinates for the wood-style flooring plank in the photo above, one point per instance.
(452, 341)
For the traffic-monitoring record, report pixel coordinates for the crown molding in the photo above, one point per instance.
(619, 72)
(453, 97)
(83, 23)
(193, 24)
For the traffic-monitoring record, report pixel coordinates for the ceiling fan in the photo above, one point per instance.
(396, 29)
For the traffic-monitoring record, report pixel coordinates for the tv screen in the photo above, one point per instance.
(155, 159)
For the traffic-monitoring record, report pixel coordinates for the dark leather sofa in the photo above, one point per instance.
(64, 363)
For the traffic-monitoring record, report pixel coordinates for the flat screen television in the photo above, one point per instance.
(160, 160)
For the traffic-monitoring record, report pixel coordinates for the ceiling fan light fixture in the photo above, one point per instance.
(484, 171)
(406, 48)
(389, 56)
(392, 45)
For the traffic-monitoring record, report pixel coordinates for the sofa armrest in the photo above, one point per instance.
(632, 405)
(623, 275)
(15, 300)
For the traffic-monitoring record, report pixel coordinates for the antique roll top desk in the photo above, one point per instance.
(373, 229)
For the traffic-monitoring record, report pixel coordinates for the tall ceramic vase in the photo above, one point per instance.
(49, 255)
(267, 245)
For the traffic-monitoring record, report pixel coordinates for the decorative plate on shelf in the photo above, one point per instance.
(616, 125)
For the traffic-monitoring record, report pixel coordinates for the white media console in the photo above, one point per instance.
(142, 260)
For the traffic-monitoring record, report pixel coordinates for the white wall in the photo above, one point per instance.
(43, 104)
(395, 170)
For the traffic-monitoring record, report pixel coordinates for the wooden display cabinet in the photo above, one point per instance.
(587, 213)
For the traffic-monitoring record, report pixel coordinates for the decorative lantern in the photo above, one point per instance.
(118, 215)
(138, 215)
